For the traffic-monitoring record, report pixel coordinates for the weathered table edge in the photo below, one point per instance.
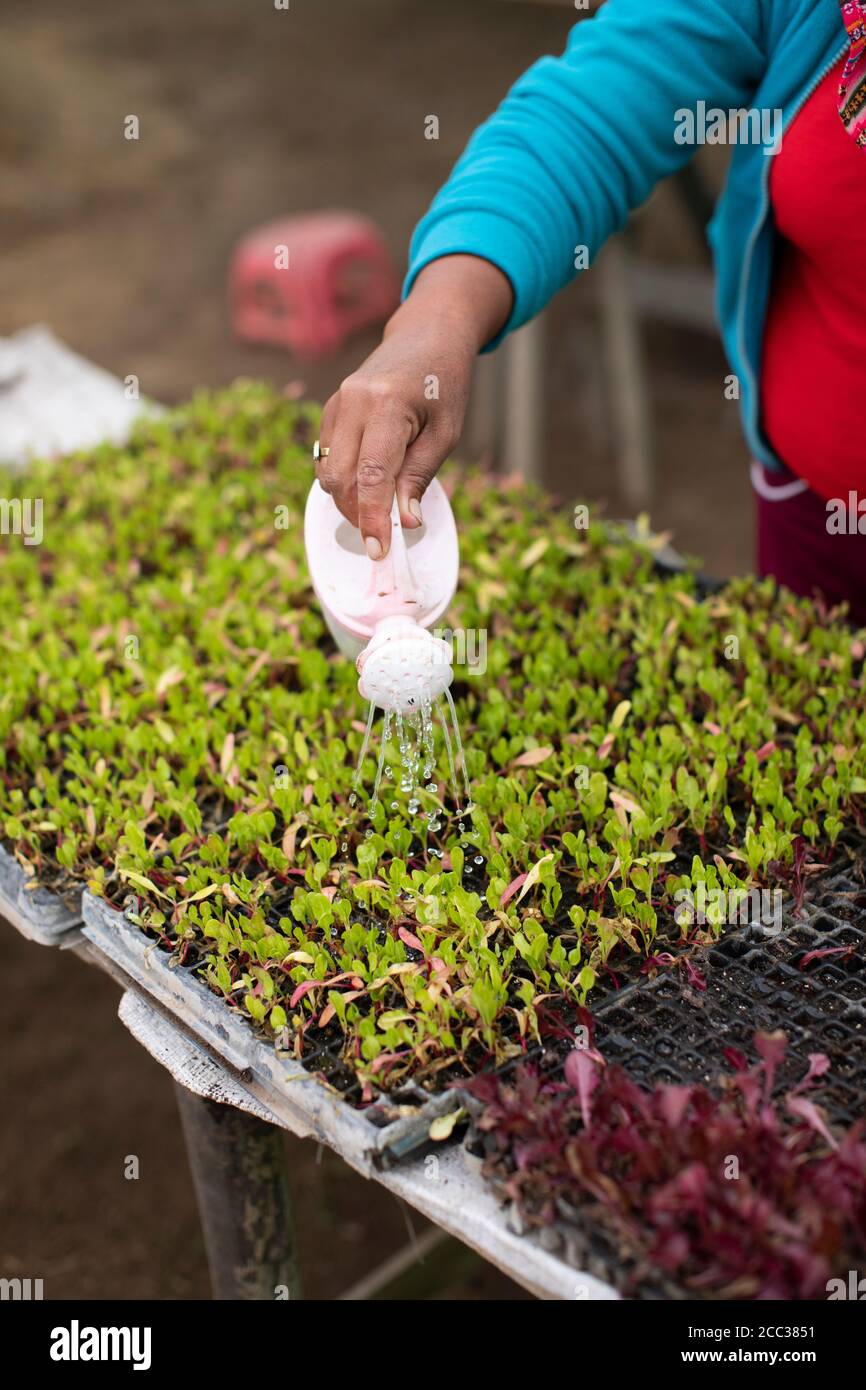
(449, 1191)
(37, 913)
(299, 1097)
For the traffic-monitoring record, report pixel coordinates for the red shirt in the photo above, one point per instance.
(813, 376)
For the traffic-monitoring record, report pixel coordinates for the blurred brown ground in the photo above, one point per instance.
(121, 247)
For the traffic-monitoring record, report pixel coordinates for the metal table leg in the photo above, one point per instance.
(239, 1171)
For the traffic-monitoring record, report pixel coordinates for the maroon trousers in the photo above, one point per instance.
(811, 546)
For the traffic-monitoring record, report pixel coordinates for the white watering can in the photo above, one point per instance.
(379, 612)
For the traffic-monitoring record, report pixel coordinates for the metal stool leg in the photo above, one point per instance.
(523, 412)
(239, 1171)
(627, 375)
(481, 432)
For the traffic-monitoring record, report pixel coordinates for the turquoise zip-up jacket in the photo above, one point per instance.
(582, 139)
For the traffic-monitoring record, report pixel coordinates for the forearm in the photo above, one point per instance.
(584, 138)
(383, 430)
(468, 294)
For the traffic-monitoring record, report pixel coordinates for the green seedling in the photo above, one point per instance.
(176, 727)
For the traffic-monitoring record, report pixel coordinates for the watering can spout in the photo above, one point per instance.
(404, 668)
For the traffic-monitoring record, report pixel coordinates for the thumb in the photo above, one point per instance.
(420, 466)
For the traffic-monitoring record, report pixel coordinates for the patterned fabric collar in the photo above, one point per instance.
(852, 89)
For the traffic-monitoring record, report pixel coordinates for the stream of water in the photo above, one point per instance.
(416, 744)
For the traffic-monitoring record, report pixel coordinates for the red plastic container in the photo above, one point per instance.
(308, 283)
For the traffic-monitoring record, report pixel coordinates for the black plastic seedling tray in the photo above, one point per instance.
(667, 1029)
(378, 1136)
(658, 1029)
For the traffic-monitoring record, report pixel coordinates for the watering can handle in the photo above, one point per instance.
(394, 573)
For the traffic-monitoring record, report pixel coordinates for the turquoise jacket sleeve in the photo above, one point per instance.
(582, 139)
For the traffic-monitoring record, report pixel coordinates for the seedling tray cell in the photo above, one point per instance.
(38, 914)
(668, 1031)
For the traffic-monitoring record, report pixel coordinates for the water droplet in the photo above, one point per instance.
(479, 859)
(344, 847)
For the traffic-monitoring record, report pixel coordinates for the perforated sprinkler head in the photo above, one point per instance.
(404, 668)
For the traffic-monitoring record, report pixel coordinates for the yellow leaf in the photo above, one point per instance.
(685, 599)
(289, 838)
(487, 592)
(203, 893)
(531, 556)
(144, 883)
(620, 714)
(784, 715)
(533, 876)
(172, 676)
(228, 751)
(443, 1126)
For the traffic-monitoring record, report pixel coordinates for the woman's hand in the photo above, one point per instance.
(394, 420)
